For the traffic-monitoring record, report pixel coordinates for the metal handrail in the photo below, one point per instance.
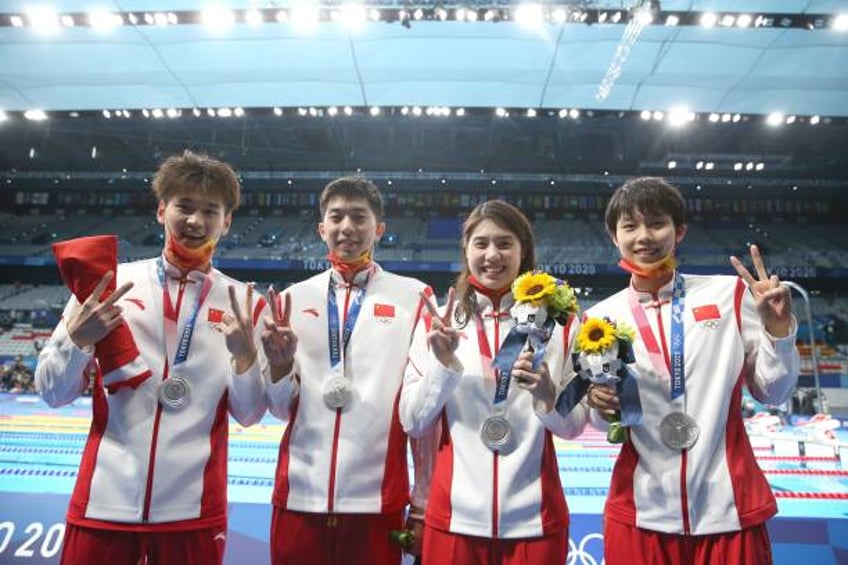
(809, 315)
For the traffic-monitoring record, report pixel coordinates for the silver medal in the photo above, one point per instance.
(679, 430)
(497, 434)
(338, 392)
(174, 393)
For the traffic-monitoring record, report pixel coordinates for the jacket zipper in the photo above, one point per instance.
(151, 462)
(331, 491)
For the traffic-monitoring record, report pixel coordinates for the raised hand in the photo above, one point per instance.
(237, 327)
(278, 339)
(443, 337)
(773, 300)
(91, 321)
(538, 382)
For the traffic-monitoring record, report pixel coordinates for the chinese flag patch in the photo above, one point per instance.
(384, 311)
(708, 312)
(215, 316)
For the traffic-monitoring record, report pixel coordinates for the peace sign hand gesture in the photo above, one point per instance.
(278, 339)
(91, 321)
(237, 328)
(443, 337)
(773, 300)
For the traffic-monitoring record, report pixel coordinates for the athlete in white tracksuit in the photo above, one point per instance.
(716, 486)
(475, 491)
(354, 459)
(144, 464)
(686, 488)
(176, 348)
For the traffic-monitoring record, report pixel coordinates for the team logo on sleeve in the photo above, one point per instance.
(384, 313)
(707, 316)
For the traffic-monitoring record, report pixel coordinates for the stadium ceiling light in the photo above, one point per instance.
(708, 19)
(534, 15)
(103, 20)
(680, 115)
(559, 15)
(253, 17)
(35, 115)
(775, 119)
(529, 15)
(353, 16)
(43, 19)
(744, 20)
(675, 116)
(304, 17)
(218, 17)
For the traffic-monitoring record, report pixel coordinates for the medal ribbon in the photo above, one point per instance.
(675, 371)
(501, 378)
(184, 342)
(337, 345)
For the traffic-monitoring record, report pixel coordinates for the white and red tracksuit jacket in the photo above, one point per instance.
(145, 467)
(475, 491)
(716, 486)
(353, 459)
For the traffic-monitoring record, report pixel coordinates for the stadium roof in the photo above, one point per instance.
(711, 61)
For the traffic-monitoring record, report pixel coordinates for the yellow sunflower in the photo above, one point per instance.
(596, 336)
(533, 286)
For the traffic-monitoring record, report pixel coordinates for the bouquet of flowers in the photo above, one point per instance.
(603, 349)
(541, 300)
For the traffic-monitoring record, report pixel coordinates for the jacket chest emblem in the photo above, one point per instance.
(384, 313)
(707, 316)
